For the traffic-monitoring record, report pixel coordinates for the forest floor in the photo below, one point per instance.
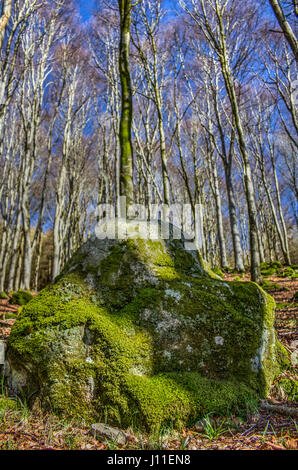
(261, 429)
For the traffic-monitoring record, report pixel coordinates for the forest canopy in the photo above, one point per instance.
(214, 96)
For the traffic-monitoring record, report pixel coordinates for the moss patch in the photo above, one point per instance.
(268, 286)
(20, 297)
(218, 272)
(174, 399)
(7, 404)
(289, 388)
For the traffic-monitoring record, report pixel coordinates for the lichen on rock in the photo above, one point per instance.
(137, 331)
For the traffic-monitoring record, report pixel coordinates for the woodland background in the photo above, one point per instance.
(59, 119)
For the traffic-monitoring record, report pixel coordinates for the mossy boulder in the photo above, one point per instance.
(288, 272)
(276, 265)
(269, 272)
(138, 332)
(3, 296)
(21, 297)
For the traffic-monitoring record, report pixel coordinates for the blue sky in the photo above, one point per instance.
(85, 7)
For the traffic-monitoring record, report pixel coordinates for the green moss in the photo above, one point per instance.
(151, 252)
(268, 272)
(178, 398)
(270, 269)
(119, 343)
(284, 305)
(288, 272)
(218, 272)
(3, 296)
(285, 388)
(70, 385)
(276, 265)
(268, 286)
(20, 297)
(289, 388)
(207, 268)
(155, 255)
(10, 316)
(283, 360)
(264, 266)
(7, 404)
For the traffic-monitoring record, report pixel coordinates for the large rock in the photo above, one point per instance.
(138, 332)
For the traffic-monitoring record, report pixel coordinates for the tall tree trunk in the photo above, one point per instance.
(218, 209)
(57, 237)
(27, 246)
(249, 189)
(236, 240)
(15, 254)
(18, 276)
(285, 26)
(126, 151)
(37, 264)
(285, 244)
(3, 276)
(6, 14)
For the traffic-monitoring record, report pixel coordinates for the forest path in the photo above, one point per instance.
(8, 314)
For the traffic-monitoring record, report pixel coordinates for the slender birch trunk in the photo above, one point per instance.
(126, 149)
(285, 26)
(4, 20)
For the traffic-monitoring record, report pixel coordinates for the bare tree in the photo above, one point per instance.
(285, 25)
(126, 149)
(4, 19)
(153, 61)
(215, 21)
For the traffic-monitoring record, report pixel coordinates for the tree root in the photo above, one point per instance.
(281, 409)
